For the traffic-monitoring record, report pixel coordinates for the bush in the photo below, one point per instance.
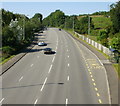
(7, 50)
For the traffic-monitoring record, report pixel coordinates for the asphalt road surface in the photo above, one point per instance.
(71, 75)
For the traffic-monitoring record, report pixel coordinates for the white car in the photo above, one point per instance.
(42, 44)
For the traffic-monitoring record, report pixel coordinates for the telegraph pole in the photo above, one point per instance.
(73, 23)
(88, 24)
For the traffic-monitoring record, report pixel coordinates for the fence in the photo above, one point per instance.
(95, 44)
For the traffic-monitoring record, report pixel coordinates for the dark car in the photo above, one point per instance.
(47, 50)
(59, 29)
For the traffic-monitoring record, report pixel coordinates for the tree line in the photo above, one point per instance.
(109, 36)
(18, 31)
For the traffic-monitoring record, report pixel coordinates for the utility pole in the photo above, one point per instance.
(73, 24)
(88, 24)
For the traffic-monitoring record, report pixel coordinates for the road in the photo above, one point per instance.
(73, 75)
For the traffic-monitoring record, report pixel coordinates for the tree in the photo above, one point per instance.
(115, 16)
(115, 43)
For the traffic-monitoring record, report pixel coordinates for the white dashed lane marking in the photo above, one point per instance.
(43, 84)
(68, 64)
(50, 68)
(1, 100)
(36, 101)
(20, 78)
(31, 65)
(68, 78)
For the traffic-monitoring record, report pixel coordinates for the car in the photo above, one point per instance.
(47, 50)
(59, 29)
(42, 44)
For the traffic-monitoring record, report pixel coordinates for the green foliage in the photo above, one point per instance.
(8, 50)
(115, 16)
(81, 26)
(55, 19)
(115, 42)
(103, 37)
(101, 22)
(18, 31)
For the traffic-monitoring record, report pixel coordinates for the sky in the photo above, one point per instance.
(45, 8)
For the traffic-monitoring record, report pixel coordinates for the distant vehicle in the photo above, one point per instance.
(59, 29)
(47, 50)
(42, 44)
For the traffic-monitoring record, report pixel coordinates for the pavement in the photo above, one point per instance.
(72, 75)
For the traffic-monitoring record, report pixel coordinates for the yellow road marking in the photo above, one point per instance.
(93, 79)
(100, 101)
(90, 72)
(94, 84)
(88, 69)
(96, 89)
(98, 94)
(91, 76)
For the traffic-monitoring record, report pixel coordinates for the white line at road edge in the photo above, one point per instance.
(36, 101)
(43, 84)
(104, 71)
(66, 102)
(20, 78)
(50, 69)
(1, 100)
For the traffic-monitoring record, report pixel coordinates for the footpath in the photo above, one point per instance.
(114, 81)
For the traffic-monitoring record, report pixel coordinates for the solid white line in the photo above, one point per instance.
(66, 101)
(43, 84)
(68, 64)
(1, 100)
(36, 101)
(68, 78)
(53, 59)
(31, 65)
(50, 68)
(20, 78)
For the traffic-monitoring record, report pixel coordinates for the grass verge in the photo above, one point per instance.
(7, 59)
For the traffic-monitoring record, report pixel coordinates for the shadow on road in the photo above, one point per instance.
(32, 85)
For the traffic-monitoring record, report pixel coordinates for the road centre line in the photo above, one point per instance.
(66, 102)
(31, 65)
(2, 100)
(68, 64)
(68, 78)
(20, 78)
(50, 68)
(43, 84)
(35, 101)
